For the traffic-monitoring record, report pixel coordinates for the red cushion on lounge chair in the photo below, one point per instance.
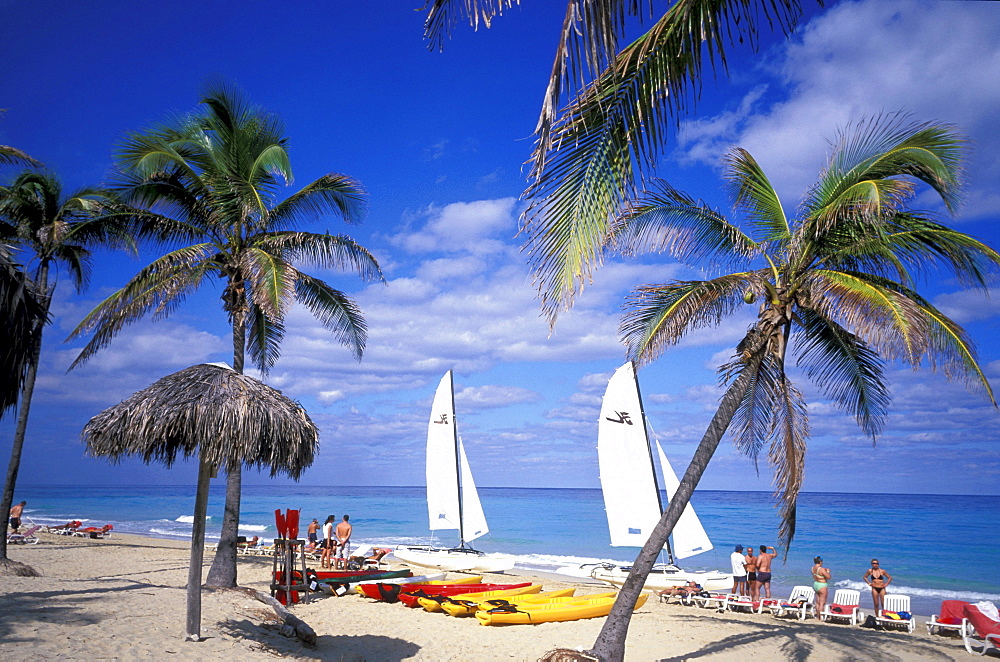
(842, 609)
(984, 624)
(949, 620)
(953, 609)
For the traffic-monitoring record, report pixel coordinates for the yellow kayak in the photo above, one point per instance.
(434, 603)
(461, 607)
(571, 610)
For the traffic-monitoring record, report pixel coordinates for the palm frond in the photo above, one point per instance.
(752, 194)
(159, 288)
(670, 221)
(271, 281)
(585, 164)
(442, 15)
(335, 311)
(335, 194)
(657, 316)
(264, 336)
(13, 156)
(336, 252)
(754, 421)
(787, 455)
(845, 369)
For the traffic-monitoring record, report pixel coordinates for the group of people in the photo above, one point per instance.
(752, 573)
(335, 543)
(876, 578)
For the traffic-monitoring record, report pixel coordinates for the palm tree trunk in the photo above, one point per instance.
(14, 465)
(223, 570)
(610, 644)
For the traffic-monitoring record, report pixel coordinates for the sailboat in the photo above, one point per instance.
(452, 498)
(632, 491)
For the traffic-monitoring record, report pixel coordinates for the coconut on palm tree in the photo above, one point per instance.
(211, 181)
(49, 231)
(835, 286)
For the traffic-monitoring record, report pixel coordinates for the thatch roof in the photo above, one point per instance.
(209, 410)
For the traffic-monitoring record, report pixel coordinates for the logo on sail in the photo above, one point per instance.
(443, 420)
(623, 417)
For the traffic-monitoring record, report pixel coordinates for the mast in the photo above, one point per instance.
(649, 449)
(458, 464)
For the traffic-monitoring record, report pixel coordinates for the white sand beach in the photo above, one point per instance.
(124, 598)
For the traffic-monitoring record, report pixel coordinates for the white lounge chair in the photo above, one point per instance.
(951, 618)
(896, 612)
(715, 601)
(980, 625)
(844, 607)
(799, 603)
(29, 537)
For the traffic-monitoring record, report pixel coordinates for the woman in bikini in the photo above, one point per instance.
(878, 579)
(821, 582)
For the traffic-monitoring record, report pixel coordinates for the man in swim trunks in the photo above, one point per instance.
(15, 516)
(739, 571)
(344, 542)
(752, 586)
(764, 570)
(878, 579)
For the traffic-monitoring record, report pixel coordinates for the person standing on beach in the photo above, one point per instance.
(879, 580)
(752, 586)
(15, 516)
(739, 571)
(313, 531)
(764, 570)
(344, 541)
(821, 583)
(326, 559)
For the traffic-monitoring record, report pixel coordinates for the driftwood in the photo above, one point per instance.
(302, 630)
(568, 655)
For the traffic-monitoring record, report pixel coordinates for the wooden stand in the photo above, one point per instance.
(287, 552)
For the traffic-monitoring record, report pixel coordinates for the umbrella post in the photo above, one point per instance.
(197, 553)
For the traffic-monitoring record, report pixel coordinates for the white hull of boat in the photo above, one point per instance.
(661, 578)
(454, 560)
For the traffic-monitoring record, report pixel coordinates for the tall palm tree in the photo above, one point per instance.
(21, 317)
(55, 232)
(835, 286)
(607, 112)
(212, 179)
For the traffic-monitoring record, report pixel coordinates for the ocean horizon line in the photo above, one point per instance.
(64, 485)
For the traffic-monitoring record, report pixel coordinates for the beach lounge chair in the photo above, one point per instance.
(896, 612)
(982, 626)
(65, 529)
(715, 601)
(94, 532)
(740, 603)
(844, 607)
(951, 619)
(29, 537)
(799, 603)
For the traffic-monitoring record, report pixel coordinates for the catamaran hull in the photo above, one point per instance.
(454, 560)
(664, 578)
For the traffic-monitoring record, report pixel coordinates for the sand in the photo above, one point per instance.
(124, 598)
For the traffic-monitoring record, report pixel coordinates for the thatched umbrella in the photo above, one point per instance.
(225, 419)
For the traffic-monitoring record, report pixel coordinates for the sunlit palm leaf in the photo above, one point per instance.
(788, 455)
(442, 15)
(330, 194)
(752, 194)
(264, 336)
(335, 311)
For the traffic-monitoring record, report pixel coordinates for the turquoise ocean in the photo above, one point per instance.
(936, 547)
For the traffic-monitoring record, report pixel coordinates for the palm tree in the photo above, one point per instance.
(55, 231)
(835, 285)
(212, 179)
(21, 318)
(607, 113)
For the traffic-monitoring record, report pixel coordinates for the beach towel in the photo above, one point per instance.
(989, 610)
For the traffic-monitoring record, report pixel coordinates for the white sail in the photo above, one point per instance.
(442, 463)
(626, 465)
(628, 479)
(445, 459)
(689, 535)
(473, 517)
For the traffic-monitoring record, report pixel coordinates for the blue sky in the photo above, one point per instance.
(438, 140)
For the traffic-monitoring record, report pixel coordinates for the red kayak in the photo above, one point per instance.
(334, 574)
(391, 592)
(409, 598)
